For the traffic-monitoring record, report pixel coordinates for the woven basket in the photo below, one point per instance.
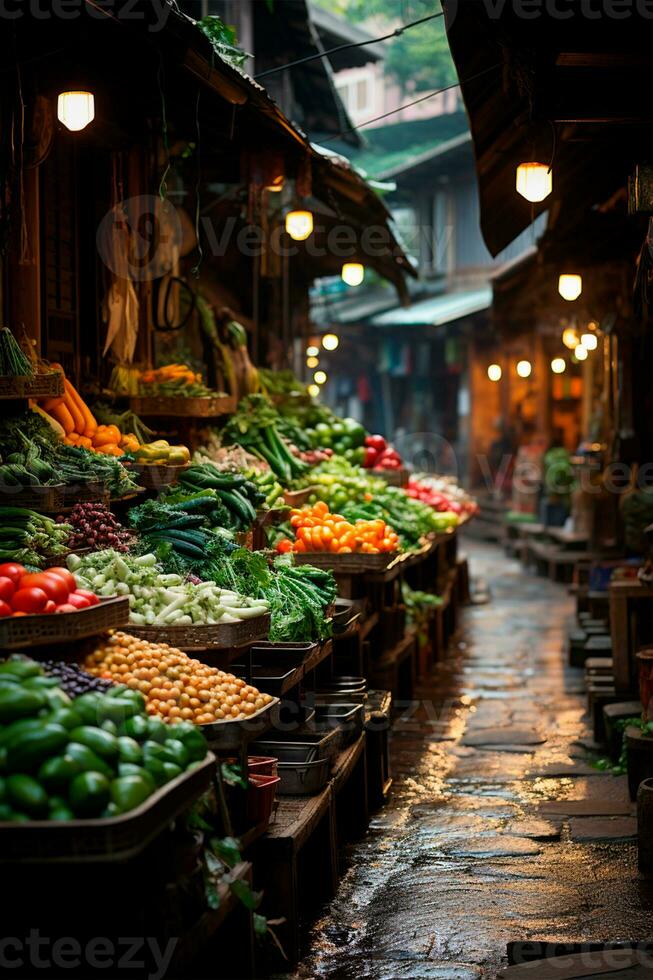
(218, 637)
(348, 564)
(208, 406)
(47, 500)
(87, 492)
(153, 477)
(297, 498)
(48, 385)
(17, 632)
(112, 839)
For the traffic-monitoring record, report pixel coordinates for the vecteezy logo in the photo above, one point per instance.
(140, 238)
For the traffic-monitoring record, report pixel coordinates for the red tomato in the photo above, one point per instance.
(7, 588)
(31, 600)
(5, 608)
(64, 574)
(93, 600)
(13, 571)
(50, 606)
(53, 586)
(78, 601)
(66, 608)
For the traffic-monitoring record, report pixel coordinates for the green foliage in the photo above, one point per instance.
(419, 59)
(223, 40)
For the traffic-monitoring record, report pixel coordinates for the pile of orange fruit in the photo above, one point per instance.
(318, 530)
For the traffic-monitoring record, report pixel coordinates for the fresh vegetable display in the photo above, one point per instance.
(160, 453)
(254, 427)
(157, 599)
(441, 493)
(127, 422)
(341, 435)
(30, 538)
(177, 380)
(232, 458)
(318, 530)
(79, 424)
(94, 526)
(175, 687)
(25, 467)
(380, 456)
(298, 596)
(239, 495)
(357, 495)
(13, 362)
(97, 755)
(281, 383)
(24, 593)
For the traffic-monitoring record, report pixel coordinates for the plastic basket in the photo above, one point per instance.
(17, 632)
(215, 637)
(111, 839)
(262, 765)
(261, 791)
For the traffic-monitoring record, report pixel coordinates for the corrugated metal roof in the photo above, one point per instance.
(437, 311)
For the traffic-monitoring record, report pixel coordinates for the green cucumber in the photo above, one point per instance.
(30, 749)
(89, 794)
(56, 773)
(102, 743)
(27, 794)
(88, 760)
(19, 703)
(128, 792)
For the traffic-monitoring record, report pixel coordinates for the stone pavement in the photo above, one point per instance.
(498, 828)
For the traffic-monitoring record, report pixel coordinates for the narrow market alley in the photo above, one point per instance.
(499, 829)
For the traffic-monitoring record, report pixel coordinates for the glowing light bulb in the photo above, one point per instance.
(570, 286)
(76, 110)
(353, 273)
(494, 372)
(524, 369)
(312, 362)
(570, 338)
(589, 341)
(581, 353)
(330, 341)
(320, 377)
(313, 390)
(312, 351)
(299, 225)
(534, 181)
(558, 365)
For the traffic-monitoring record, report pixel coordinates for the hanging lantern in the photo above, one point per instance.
(320, 377)
(570, 338)
(581, 353)
(494, 372)
(299, 225)
(330, 341)
(534, 181)
(558, 365)
(524, 369)
(570, 286)
(589, 341)
(353, 273)
(76, 110)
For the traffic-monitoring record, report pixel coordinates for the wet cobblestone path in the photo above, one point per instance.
(485, 840)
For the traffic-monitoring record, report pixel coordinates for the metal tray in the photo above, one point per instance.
(291, 653)
(345, 719)
(302, 778)
(271, 679)
(325, 744)
(229, 736)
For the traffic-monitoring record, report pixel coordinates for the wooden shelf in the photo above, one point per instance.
(321, 653)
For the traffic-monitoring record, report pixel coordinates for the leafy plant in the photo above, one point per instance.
(223, 40)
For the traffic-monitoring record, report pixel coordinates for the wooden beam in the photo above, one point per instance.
(603, 59)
